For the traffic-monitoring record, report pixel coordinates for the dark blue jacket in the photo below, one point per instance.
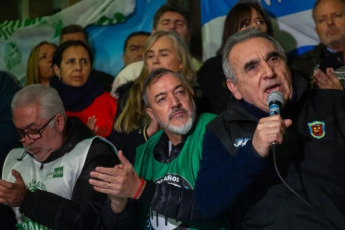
(235, 181)
(9, 85)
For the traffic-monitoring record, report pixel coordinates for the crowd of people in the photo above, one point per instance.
(174, 143)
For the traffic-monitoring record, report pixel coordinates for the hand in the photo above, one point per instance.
(326, 80)
(121, 181)
(152, 128)
(12, 194)
(269, 129)
(91, 123)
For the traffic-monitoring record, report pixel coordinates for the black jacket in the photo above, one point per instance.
(309, 160)
(306, 63)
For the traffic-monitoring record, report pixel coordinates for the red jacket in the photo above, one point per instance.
(104, 108)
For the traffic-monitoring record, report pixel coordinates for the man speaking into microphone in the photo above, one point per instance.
(299, 186)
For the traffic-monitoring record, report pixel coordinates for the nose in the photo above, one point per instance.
(155, 60)
(330, 20)
(175, 102)
(77, 66)
(140, 52)
(172, 26)
(268, 70)
(27, 140)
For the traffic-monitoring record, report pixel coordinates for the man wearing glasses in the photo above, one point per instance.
(46, 182)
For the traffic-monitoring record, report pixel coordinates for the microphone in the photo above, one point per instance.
(275, 102)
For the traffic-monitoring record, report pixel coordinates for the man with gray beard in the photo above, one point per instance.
(166, 166)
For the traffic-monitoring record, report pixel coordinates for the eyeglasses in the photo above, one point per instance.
(33, 134)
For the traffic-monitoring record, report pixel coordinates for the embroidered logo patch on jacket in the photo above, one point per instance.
(317, 129)
(240, 142)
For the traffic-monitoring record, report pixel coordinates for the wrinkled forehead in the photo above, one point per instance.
(251, 47)
(165, 83)
(328, 6)
(73, 37)
(172, 15)
(26, 116)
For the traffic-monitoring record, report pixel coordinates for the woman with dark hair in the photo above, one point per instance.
(81, 94)
(211, 77)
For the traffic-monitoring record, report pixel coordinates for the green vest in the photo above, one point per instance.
(181, 171)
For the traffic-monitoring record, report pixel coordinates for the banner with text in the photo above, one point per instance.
(108, 22)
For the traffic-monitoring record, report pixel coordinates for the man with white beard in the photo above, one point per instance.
(166, 166)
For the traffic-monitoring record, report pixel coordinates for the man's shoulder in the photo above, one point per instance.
(127, 74)
(326, 96)
(315, 52)
(98, 148)
(206, 117)
(14, 156)
(217, 122)
(131, 69)
(9, 81)
(97, 140)
(16, 153)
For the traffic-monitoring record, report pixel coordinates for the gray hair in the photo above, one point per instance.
(242, 36)
(46, 97)
(158, 73)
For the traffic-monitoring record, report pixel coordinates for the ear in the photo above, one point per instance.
(60, 123)
(150, 113)
(56, 70)
(234, 89)
(180, 67)
(123, 58)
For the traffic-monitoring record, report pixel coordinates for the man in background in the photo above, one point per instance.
(323, 66)
(133, 48)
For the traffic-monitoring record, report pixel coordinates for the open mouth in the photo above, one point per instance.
(271, 88)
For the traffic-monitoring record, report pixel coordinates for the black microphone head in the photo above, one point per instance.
(275, 97)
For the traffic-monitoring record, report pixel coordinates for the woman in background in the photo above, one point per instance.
(211, 77)
(82, 96)
(133, 126)
(39, 67)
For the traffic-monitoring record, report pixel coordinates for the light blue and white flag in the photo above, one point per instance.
(108, 23)
(292, 22)
(108, 41)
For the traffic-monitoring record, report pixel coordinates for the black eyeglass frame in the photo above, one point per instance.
(33, 132)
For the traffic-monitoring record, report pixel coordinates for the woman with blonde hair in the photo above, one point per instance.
(39, 67)
(162, 50)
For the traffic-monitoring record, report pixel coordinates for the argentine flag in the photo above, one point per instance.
(292, 22)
